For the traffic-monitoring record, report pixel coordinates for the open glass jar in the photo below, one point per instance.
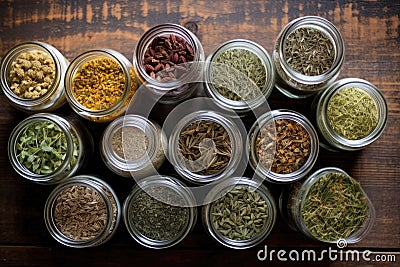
(46, 148)
(242, 215)
(83, 211)
(239, 75)
(159, 212)
(308, 55)
(133, 146)
(205, 146)
(283, 146)
(32, 77)
(100, 84)
(350, 115)
(329, 206)
(169, 61)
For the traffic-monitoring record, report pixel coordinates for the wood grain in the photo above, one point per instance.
(372, 37)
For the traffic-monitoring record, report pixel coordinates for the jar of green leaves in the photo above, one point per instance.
(47, 148)
(239, 75)
(159, 212)
(308, 55)
(240, 212)
(329, 206)
(350, 115)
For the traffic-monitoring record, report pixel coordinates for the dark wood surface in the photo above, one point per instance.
(372, 37)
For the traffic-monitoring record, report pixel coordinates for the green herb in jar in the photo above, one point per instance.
(240, 214)
(239, 75)
(309, 51)
(292, 146)
(352, 113)
(206, 146)
(335, 207)
(155, 219)
(42, 148)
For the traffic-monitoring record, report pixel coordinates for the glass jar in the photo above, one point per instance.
(249, 66)
(133, 145)
(289, 142)
(334, 139)
(293, 201)
(159, 212)
(64, 143)
(291, 78)
(219, 154)
(223, 218)
(83, 211)
(103, 68)
(154, 70)
(35, 87)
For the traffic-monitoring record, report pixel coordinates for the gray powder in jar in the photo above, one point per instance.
(137, 140)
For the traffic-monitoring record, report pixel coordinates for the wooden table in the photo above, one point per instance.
(371, 30)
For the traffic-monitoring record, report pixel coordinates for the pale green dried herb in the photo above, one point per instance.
(352, 113)
(239, 75)
(335, 207)
(240, 214)
(42, 148)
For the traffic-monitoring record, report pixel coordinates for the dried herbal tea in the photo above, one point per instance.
(292, 146)
(80, 212)
(42, 148)
(239, 75)
(352, 113)
(137, 143)
(335, 207)
(167, 57)
(155, 219)
(31, 74)
(240, 214)
(309, 51)
(196, 147)
(99, 83)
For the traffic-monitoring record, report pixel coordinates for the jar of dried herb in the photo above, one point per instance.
(308, 55)
(100, 84)
(205, 146)
(350, 115)
(159, 212)
(83, 211)
(329, 206)
(242, 215)
(283, 146)
(47, 148)
(133, 146)
(32, 77)
(169, 62)
(239, 75)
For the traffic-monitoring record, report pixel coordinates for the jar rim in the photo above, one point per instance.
(330, 30)
(303, 192)
(177, 187)
(100, 187)
(12, 54)
(17, 131)
(260, 53)
(234, 135)
(89, 55)
(195, 70)
(141, 123)
(271, 117)
(223, 188)
(373, 92)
